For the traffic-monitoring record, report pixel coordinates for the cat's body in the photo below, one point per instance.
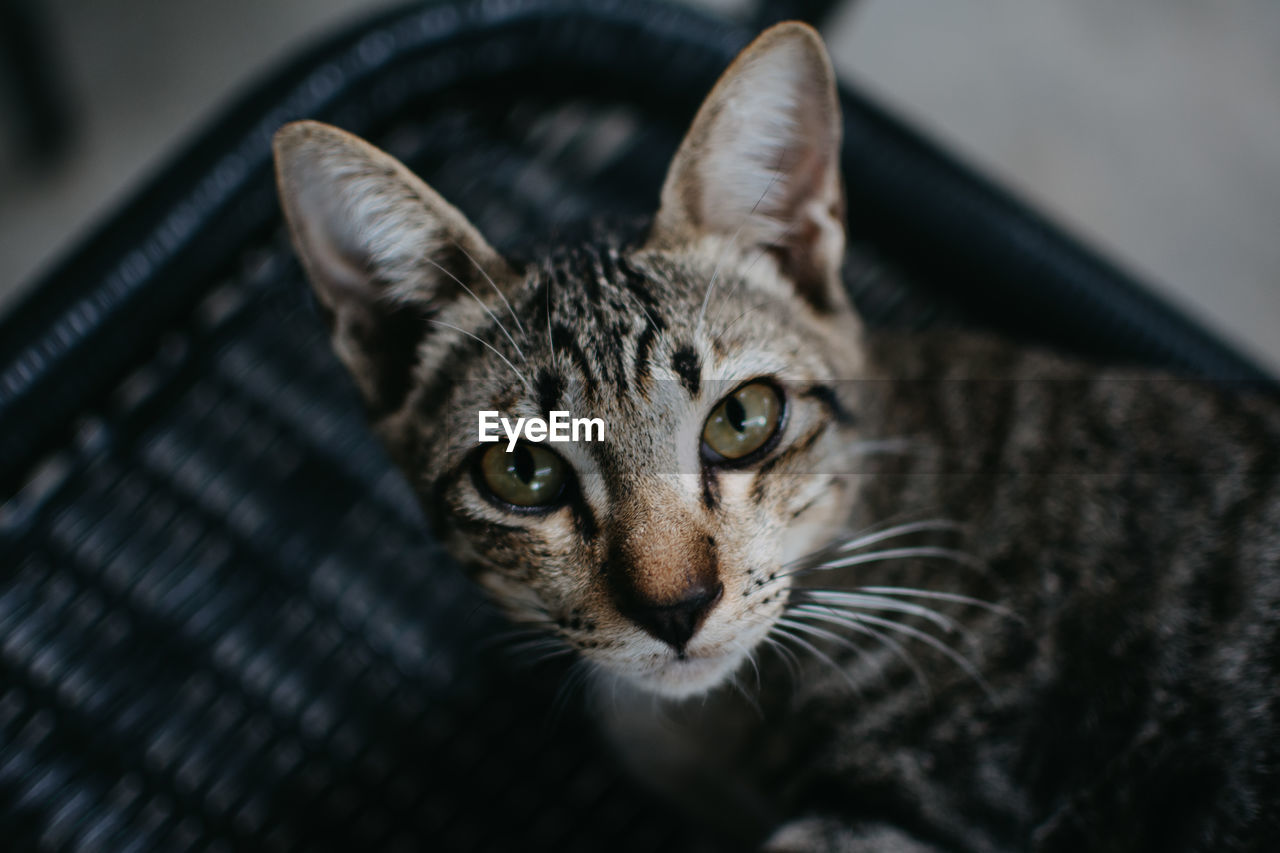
(1130, 698)
(838, 589)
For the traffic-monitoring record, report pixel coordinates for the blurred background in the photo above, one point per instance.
(1149, 127)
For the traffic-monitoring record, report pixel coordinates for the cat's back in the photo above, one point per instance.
(1113, 472)
(985, 408)
(1132, 518)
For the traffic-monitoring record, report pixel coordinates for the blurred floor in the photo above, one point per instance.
(1150, 127)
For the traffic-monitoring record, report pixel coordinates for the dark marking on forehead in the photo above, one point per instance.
(549, 387)
(687, 365)
(565, 340)
(585, 267)
(641, 287)
(618, 333)
(644, 345)
(599, 304)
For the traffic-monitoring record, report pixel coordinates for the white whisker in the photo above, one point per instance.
(513, 634)
(514, 369)
(485, 308)
(746, 695)
(738, 319)
(935, 524)
(751, 659)
(785, 654)
(931, 641)
(715, 271)
(635, 297)
(875, 602)
(887, 529)
(579, 673)
(760, 254)
(545, 656)
(544, 647)
(827, 614)
(495, 287)
(941, 596)
(922, 551)
(818, 653)
(538, 643)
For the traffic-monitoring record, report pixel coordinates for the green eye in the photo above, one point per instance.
(742, 422)
(529, 476)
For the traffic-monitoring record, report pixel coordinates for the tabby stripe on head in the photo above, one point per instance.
(620, 331)
(638, 285)
(565, 339)
(644, 345)
(687, 365)
(550, 387)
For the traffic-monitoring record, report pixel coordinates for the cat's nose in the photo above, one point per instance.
(675, 622)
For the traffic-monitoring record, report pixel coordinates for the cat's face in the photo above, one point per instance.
(660, 552)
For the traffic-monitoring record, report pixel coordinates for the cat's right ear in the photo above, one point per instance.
(384, 252)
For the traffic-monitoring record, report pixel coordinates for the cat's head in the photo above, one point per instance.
(708, 351)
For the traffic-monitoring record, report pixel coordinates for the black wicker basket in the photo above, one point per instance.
(221, 623)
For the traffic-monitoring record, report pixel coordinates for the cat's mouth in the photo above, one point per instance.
(714, 657)
(693, 672)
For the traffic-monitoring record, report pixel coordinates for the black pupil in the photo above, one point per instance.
(734, 411)
(523, 464)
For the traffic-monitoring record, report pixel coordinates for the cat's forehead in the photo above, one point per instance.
(600, 330)
(612, 319)
(596, 298)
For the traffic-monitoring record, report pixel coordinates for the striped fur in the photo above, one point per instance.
(974, 598)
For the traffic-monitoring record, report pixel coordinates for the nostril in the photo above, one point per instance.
(676, 623)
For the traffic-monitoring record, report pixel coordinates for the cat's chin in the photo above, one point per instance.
(684, 678)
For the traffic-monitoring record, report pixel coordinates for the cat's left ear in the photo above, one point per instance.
(760, 165)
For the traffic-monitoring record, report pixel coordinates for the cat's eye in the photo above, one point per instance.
(530, 476)
(743, 422)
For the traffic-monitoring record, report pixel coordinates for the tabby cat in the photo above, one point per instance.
(839, 589)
